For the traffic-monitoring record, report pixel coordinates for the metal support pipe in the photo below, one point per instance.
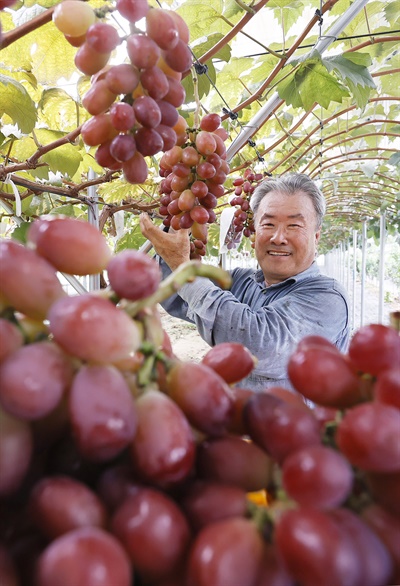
(93, 218)
(353, 305)
(382, 239)
(363, 269)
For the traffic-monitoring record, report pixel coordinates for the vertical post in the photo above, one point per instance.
(93, 218)
(348, 265)
(382, 239)
(363, 269)
(353, 307)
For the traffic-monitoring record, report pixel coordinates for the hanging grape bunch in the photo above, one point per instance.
(242, 223)
(133, 104)
(120, 464)
(194, 172)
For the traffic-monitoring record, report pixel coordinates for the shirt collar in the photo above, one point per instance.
(312, 271)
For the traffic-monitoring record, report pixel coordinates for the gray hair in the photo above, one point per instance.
(289, 185)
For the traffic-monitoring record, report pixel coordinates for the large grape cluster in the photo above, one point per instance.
(243, 223)
(194, 173)
(122, 465)
(133, 104)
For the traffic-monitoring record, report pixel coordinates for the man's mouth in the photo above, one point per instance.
(275, 253)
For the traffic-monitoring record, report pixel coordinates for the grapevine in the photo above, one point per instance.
(133, 104)
(120, 460)
(193, 174)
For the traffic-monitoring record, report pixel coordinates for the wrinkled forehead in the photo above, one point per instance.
(283, 205)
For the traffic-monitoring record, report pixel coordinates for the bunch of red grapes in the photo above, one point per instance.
(133, 104)
(194, 173)
(243, 223)
(121, 464)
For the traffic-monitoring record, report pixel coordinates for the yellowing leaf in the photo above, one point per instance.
(17, 104)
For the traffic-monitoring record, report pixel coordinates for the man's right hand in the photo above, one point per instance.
(173, 247)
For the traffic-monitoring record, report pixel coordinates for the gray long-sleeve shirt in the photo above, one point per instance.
(269, 321)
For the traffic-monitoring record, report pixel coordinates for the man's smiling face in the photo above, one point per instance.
(286, 235)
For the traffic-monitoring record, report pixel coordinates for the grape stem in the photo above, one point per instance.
(186, 273)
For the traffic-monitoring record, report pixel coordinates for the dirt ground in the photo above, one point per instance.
(186, 342)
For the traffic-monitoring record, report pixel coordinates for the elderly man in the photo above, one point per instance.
(268, 310)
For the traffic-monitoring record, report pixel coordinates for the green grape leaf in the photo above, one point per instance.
(17, 104)
(132, 238)
(59, 110)
(395, 160)
(311, 83)
(65, 158)
(115, 191)
(20, 232)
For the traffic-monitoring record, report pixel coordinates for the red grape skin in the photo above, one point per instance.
(231, 360)
(33, 380)
(234, 460)
(8, 572)
(132, 10)
(324, 376)
(161, 27)
(124, 270)
(143, 51)
(104, 157)
(329, 552)
(135, 169)
(123, 147)
(206, 502)
(163, 450)
(207, 401)
(387, 526)
(98, 130)
(11, 338)
(102, 37)
(179, 58)
(122, 116)
(115, 484)
(272, 571)
(387, 387)
(368, 436)
(225, 552)
(385, 489)
(27, 281)
(154, 532)
(278, 427)
(98, 98)
(16, 447)
(122, 79)
(148, 141)
(376, 562)
(210, 122)
(89, 61)
(59, 504)
(93, 329)
(72, 246)
(374, 348)
(102, 412)
(317, 476)
(88, 556)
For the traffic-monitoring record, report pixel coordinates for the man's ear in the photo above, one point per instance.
(317, 236)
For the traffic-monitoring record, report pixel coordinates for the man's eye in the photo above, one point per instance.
(294, 225)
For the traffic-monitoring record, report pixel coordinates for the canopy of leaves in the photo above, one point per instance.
(336, 116)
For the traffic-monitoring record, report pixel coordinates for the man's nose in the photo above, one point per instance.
(279, 235)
